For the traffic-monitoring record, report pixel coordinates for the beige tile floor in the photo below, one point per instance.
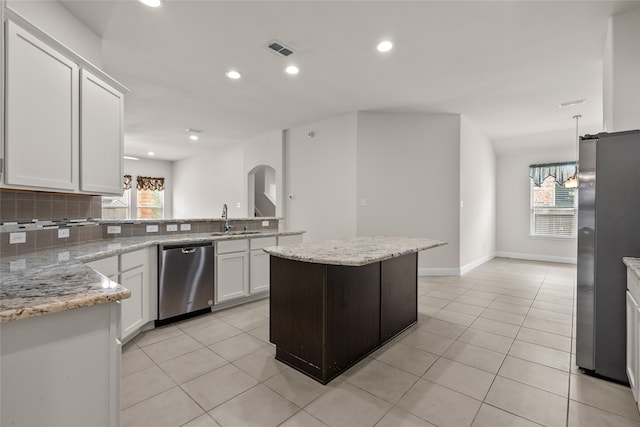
(493, 347)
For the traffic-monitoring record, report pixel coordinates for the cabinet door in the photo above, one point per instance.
(106, 266)
(259, 271)
(133, 308)
(101, 136)
(231, 276)
(41, 114)
(632, 344)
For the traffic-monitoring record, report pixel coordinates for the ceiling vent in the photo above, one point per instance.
(280, 48)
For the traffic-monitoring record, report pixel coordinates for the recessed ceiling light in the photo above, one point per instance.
(130, 158)
(570, 103)
(384, 46)
(193, 133)
(151, 3)
(233, 74)
(151, 153)
(292, 69)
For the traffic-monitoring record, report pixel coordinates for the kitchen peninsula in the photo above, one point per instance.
(334, 302)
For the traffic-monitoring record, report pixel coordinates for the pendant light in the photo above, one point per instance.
(572, 182)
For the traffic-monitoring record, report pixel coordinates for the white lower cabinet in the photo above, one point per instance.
(259, 264)
(62, 369)
(232, 273)
(633, 334)
(136, 271)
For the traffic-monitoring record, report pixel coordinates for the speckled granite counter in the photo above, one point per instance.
(57, 280)
(356, 251)
(633, 264)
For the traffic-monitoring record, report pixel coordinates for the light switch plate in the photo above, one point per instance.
(19, 237)
(172, 227)
(152, 228)
(265, 223)
(114, 229)
(63, 233)
(185, 227)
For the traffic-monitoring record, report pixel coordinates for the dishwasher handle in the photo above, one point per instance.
(188, 250)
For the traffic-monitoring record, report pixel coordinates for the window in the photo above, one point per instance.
(116, 207)
(145, 201)
(554, 210)
(150, 204)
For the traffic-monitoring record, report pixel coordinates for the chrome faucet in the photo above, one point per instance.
(227, 226)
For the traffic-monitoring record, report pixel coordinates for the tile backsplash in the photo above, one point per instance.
(26, 206)
(30, 205)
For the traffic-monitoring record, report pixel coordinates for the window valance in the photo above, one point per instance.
(126, 182)
(149, 183)
(560, 171)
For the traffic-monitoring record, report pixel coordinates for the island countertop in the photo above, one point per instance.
(355, 251)
(55, 280)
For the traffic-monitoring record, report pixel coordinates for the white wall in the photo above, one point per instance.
(477, 196)
(320, 174)
(52, 18)
(202, 184)
(156, 169)
(266, 150)
(513, 196)
(622, 73)
(408, 171)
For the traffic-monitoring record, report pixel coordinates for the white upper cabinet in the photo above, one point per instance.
(64, 124)
(41, 114)
(101, 136)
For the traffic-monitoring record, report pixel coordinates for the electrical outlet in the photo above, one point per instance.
(185, 227)
(152, 228)
(63, 256)
(63, 233)
(363, 202)
(172, 227)
(20, 237)
(265, 223)
(114, 229)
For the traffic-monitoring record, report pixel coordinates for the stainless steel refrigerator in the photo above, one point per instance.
(608, 229)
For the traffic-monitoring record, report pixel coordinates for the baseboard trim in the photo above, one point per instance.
(537, 257)
(470, 266)
(438, 271)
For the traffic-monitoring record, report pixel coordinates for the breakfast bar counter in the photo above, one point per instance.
(334, 302)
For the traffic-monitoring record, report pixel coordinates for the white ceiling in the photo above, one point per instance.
(505, 65)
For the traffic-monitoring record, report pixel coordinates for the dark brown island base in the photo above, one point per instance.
(334, 302)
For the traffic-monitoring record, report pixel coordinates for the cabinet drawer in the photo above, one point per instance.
(633, 284)
(263, 242)
(106, 266)
(226, 246)
(133, 259)
(288, 240)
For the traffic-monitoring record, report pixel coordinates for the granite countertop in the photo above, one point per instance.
(56, 280)
(633, 264)
(355, 251)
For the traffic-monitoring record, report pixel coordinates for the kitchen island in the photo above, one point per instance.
(334, 302)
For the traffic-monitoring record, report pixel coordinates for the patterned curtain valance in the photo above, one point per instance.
(560, 171)
(126, 182)
(149, 183)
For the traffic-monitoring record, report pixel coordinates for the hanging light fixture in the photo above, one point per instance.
(572, 182)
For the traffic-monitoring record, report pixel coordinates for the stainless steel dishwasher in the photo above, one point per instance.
(185, 282)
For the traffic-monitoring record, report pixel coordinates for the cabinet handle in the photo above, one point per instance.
(188, 250)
